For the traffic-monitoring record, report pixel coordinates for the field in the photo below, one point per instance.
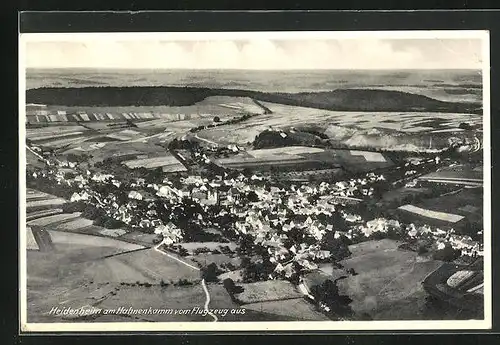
(442, 216)
(125, 135)
(105, 136)
(347, 127)
(454, 202)
(115, 149)
(185, 297)
(388, 284)
(31, 243)
(222, 106)
(467, 204)
(143, 266)
(43, 204)
(75, 224)
(398, 196)
(71, 222)
(139, 237)
(271, 290)
(36, 133)
(386, 277)
(33, 160)
(173, 297)
(167, 161)
(300, 158)
(68, 261)
(205, 259)
(83, 270)
(58, 135)
(113, 232)
(54, 219)
(89, 241)
(296, 309)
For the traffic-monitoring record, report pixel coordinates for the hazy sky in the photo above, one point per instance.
(260, 53)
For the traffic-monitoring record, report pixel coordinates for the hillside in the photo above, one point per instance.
(340, 99)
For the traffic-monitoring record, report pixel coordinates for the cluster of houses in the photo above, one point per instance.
(269, 217)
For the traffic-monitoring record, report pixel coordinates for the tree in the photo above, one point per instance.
(99, 221)
(325, 292)
(465, 126)
(210, 273)
(77, 206)
(328, 294)
(111, 223)
(69, 175)
(338, 247)
(91, 212)
(231, 287)
(252, 196)
(246, 244)
(338, 222)
(446, 254)
(216, 119)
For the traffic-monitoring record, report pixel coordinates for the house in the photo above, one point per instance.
(169, 192)
(198, 195)
(135, 195)
(170, 232)
(78, 197)
(213, 196)
(233, 194)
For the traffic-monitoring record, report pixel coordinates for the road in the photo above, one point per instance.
(203, 284)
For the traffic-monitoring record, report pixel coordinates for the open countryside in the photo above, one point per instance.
(302, 196)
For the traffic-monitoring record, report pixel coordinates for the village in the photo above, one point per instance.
(278, 230)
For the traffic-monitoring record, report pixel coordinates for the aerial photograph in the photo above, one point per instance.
(253, 179)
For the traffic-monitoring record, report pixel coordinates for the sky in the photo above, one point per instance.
(257, 54)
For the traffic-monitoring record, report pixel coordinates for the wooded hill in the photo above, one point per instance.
(340, 99)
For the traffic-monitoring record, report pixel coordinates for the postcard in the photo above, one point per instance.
(239, 181)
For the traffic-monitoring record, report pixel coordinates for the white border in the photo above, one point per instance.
(260, 326)
(245, 35)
